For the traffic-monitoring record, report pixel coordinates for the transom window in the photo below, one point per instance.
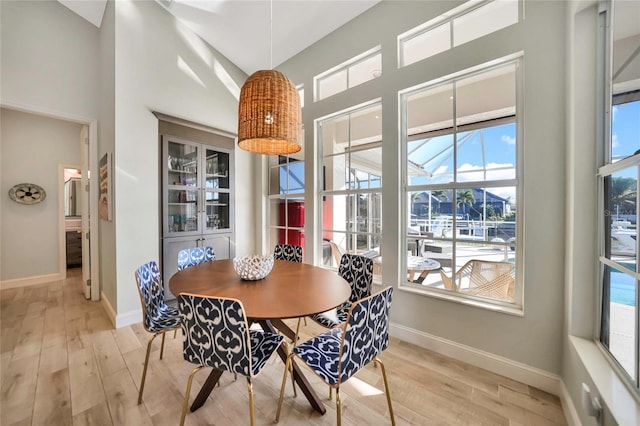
(463, 24)
(355, 71)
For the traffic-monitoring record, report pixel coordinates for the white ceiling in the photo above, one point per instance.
(240, 29)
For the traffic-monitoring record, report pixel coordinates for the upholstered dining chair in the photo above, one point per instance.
(289, 252)
(158, 318)
(358, 272)
(193, 256)
(339, 353)
(216, 334)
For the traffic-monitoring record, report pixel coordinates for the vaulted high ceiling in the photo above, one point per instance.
(240, 29)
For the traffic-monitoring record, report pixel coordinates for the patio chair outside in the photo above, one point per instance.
(483, 278)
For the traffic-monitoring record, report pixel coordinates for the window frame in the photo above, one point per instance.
(517, 307)
(350, 192)
(606, 167)
(275, 164)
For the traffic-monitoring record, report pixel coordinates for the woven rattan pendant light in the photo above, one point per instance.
(269, 113)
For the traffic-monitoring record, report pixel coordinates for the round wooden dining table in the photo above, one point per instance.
(290, 290)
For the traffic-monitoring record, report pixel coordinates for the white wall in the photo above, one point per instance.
(49, 59)
(534, 340)
(140, 60)
(161, 66)
(32, 147)
(106, 137)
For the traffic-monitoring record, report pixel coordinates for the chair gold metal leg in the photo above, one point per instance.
(386, 389)
(295, 339)
(293, 382)
(162, 345)
(330, 393)
(287, 365)
(305, 321)
(185, 404)
(338, 407)
(250, 387)
(144, 369)
(175, 333)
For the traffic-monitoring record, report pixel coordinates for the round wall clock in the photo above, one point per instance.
(27, 193)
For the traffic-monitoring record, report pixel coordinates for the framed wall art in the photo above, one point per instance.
(105, 205)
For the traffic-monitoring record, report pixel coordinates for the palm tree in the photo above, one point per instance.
(440, 194)
(465, 197)
(623, 192)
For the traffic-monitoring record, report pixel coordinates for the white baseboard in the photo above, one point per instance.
(27, 281)
(496, 364)
(120, 320)
(567, 406)
(129, 318)
(111, 313)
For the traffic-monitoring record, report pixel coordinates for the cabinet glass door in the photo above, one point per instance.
(216, 190)
(217, 210)
(182, 188)
(217, 170)
(182, 210)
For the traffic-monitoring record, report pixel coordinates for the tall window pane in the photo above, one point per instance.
(352, 176)
(619, 175)
(462, 186)
(286, 197)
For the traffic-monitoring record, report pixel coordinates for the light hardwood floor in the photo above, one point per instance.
(64, 364)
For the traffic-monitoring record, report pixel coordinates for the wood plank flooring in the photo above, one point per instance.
(62, 363)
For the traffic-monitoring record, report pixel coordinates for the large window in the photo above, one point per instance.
(461, 140)
(352, 177)
(618, 177)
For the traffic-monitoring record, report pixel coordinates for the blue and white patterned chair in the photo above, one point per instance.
(289, 252)
(194, 256)
(216, 334)
(158, 318)
(339, 353)
(358, 272)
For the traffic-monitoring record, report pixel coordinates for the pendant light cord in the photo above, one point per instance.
(271, 34)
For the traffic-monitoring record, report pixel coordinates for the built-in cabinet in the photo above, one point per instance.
(197, 200)
(74, 248)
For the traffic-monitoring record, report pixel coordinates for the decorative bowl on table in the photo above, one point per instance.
(253, 268)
